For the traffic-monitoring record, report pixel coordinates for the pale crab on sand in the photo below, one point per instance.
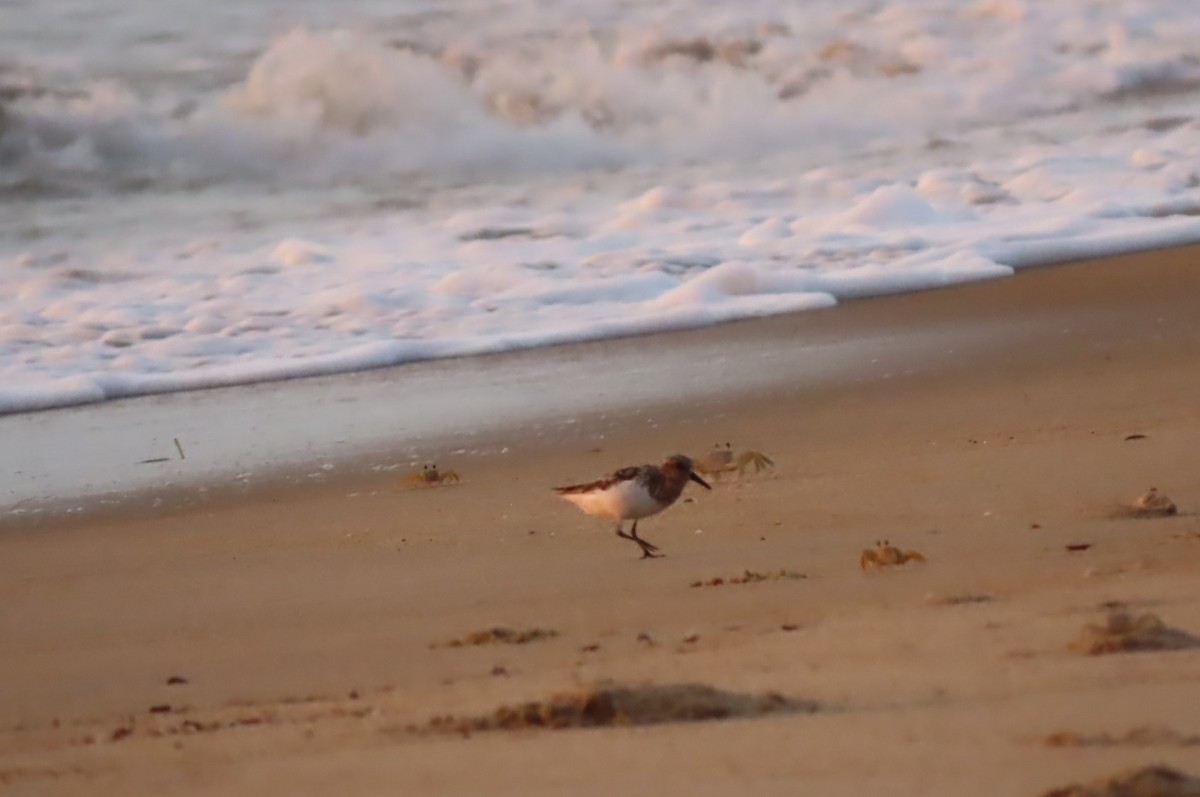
(1154, 504)
(884, 554)
(428, 476)
(722, 459)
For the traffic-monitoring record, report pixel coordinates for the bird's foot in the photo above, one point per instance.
(648, 548)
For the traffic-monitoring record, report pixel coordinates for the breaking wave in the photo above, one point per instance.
(324, 107)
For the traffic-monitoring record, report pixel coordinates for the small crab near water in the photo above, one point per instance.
(1151, 505)
(884, 554)
(1154, 504)
(721, 459)
(428, 476)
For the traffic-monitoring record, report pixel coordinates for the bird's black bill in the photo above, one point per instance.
(699, 481)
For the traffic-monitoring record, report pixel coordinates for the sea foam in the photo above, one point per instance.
(217, 209)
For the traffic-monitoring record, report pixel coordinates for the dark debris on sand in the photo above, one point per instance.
(1141, 736)
(501, 635)
(608, 706)
(958, 599)
(751, 577)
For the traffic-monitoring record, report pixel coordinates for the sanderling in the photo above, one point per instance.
(634, 493)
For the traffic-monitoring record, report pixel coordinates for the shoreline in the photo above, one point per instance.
(374, 425)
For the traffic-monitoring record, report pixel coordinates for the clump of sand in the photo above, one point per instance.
(1123, 633)
(1151, 781)
(605, 706)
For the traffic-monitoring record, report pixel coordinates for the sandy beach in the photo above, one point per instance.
(299, 639)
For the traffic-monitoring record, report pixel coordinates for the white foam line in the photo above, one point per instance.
(1159, 235)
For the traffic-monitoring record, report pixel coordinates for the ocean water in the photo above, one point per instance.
(197, 194)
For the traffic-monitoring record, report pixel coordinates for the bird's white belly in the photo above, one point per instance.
(626, 500)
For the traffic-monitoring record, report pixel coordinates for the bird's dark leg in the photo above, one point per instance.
(648, 548)
(646, 543)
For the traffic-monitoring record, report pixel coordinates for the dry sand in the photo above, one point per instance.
(313, 631)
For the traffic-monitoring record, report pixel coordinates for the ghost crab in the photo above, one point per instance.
(429, 476)
(1154, 504)
(884, 554)
(1151, 505)
(722, 459)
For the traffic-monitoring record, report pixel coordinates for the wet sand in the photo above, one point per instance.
(311, 623)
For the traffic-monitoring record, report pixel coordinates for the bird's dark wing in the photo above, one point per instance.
(623, 475)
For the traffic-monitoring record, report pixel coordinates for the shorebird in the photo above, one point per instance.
(634, 493)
